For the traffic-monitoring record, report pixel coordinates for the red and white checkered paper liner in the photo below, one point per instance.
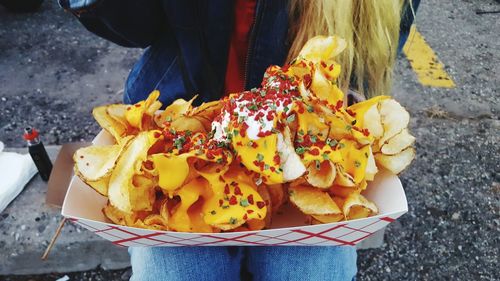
(84, 206)
(348, 233)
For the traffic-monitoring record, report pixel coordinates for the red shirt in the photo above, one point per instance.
(244, 13)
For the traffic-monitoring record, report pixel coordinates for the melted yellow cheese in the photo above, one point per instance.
(354, 159)
(172, 170)
(258, 156)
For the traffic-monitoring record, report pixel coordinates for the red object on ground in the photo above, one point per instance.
(31, 136)
(244, 13)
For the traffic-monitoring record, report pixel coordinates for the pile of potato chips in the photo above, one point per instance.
(229, 165)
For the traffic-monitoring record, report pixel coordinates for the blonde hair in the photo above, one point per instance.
(370, 28)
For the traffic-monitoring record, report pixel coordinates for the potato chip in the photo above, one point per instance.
(313, 201)
(115, 128)
(398, 143)
(122, 193)
(328, 218)
(117, 112)
(322, 48)
(356, 206)
(101, 186)
(188, 123)
(178, 108)
(277, 195)
(322, 175)
(95, 162)
(140, 115)
(398, 162)
(371, 167)
(207, 110)
(394, 119)
(266, 197)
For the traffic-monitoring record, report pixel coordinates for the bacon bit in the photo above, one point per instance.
(157, 134)
(239, 143)
(237, 191)
(314, 151)
(226, 189)
(254, 145)
(323, 64)
(277, 159)
(148, 164)
(366, 132)
(221, 202)
(243, 130)
(307, 80)
(339, 105)
(233, 200)
(331, 67)
(272, 169)
(249, 211)
(261, 204)
(350, 112)
(250, 199)
(137, 105)
(129, 108)
(245, 217)
(217, 170)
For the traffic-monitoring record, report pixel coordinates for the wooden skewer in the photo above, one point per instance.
(53, 240)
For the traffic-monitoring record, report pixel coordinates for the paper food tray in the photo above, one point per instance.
(83, 205)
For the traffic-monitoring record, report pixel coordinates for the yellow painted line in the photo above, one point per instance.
(425, 63)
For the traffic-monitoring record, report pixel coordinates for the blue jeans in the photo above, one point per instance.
(225, 263)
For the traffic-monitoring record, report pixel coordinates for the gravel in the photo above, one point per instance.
(53, 72)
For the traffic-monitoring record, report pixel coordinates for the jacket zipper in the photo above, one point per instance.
(252, 39)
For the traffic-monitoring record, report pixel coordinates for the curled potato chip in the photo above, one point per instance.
(343, 191)
(398, 162)
(100, 186)
(371, 167)
(394, 119)
(122, 193)
(207, 110)
(140, 115)
(264, 193)
(188, 123)
(312, 201)
(324, 89)
(178, 108)
(277, 195)
(117, 112)
(398, 143)
(108, 123)
(356, 206)
(323, 48)
(95, 162)
(122, 218)
(328, 218)
(321, 176)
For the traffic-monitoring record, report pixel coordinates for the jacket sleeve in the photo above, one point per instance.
(129, 23)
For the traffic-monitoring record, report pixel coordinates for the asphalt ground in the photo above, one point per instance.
(53, 72)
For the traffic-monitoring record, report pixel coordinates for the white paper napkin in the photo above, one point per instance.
(16, 170)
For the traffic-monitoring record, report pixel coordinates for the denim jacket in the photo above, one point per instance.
(187, 42)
